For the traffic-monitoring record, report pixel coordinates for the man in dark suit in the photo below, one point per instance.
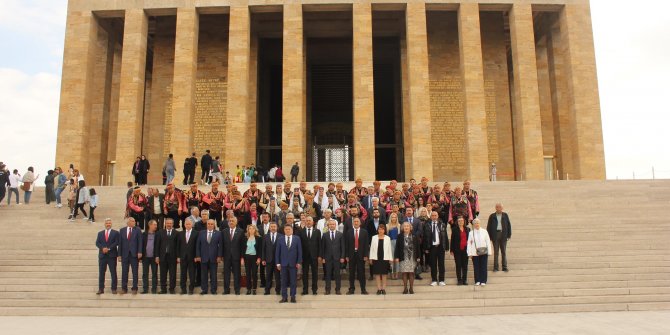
(268, 258)
(310, 238)
(499, 228)
(436, 244)
(149, 238)
(234, 244)
(263, 229)
(166, 256)
(332, 255)
(357, 250)
(205, 164)
(288, 255)
(155, 207)
(186, 243)
(208, 253)
(130, 252)
(107, 242)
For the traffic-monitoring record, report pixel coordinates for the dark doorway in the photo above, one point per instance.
(329, 109)
(269, 120)
(388, 109)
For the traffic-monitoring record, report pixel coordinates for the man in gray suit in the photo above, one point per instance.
(332, 255)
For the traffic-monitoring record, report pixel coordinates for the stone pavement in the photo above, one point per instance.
(559, 323)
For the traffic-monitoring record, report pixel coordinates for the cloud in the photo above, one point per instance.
(29, 110)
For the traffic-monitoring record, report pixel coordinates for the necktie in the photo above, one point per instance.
(288, 242)
(434, 232)
(332, 235)
(188, 234)
(128, 234)
(209, 237)
(231, 234)
(356, 240)
(106, 235)
(309, 233)
(273, 238)
(169, 233)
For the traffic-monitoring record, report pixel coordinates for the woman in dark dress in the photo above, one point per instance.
(381, 257)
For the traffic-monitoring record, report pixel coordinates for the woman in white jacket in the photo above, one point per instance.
(381, 256)
(479, 249)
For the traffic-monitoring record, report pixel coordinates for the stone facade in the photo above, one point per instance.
(513, 84)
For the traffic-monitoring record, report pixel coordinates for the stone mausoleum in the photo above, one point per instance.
(347, 88)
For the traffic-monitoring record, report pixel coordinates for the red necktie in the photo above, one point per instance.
(356, 242)
(128, 235)
(106, 235)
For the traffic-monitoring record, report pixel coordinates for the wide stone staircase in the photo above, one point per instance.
(576, 246)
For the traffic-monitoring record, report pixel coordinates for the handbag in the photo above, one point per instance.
(482, 250)
(25, 186)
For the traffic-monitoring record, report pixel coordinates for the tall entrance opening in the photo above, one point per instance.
(330, 155)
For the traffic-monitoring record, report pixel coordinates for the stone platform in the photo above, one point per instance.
(577, 246)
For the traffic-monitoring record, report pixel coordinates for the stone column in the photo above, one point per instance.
(294, 127)
(472, 72)
(421, 164)
(237, 115)
(183, 83)
(584, 103)
(526, 111)
(364, 94)
(131, 98)
(78, 62)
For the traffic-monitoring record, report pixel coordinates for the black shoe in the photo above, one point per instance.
(172, 291)
(379, 292)
(214, 293)
(162, 292)
(337, 292)
(304, 293)
(465, 282)
(144, 292)
(153, 291)
(100, 292)
(411, 290)
(293, 300)
(383, 292)
(417, 277)
(226, 292)
(266, 292)
(190, 292)
(364, 292)
(182, 292)
(203, 293)
(506, 269)
(313, 292)
(350, 292)
(283, 301)
(495, 270)
(327, 292)
(248, 292)
(405, 291)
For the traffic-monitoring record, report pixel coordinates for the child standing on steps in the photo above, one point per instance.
(92, 205)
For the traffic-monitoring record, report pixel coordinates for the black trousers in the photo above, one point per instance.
(149, 263)
(461, 260)
(50, 195)
(333, 272)
(205, 174)
(231, 267)
(92, 210)
(187, 267)
(209, 272)
(168, 264)
(79, 207)
(271, 273)
(131, 262)
(261, 274)
(143, 178)
(436, 255)
(175, 218)
(294, 178)
(104, 263)
(3, 192)
(356, 271)
(251, 271)
(216, 216)
(479, 265)
(310, 266)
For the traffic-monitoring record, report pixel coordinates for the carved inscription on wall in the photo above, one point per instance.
(168, 121)
(448, 120)
(491, 119)
(209, 120)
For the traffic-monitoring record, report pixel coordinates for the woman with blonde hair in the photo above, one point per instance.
(252, 258)
(407, 256)
(393, 232)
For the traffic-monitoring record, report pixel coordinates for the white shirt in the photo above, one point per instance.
(321, 225)
(14, 180)
(157, 206)
(188, 235)
(266, 228)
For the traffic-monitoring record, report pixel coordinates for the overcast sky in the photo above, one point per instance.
(632, 52)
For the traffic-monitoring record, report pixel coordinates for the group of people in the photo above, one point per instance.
(211, 171)
(279, 234)
(11, 183)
